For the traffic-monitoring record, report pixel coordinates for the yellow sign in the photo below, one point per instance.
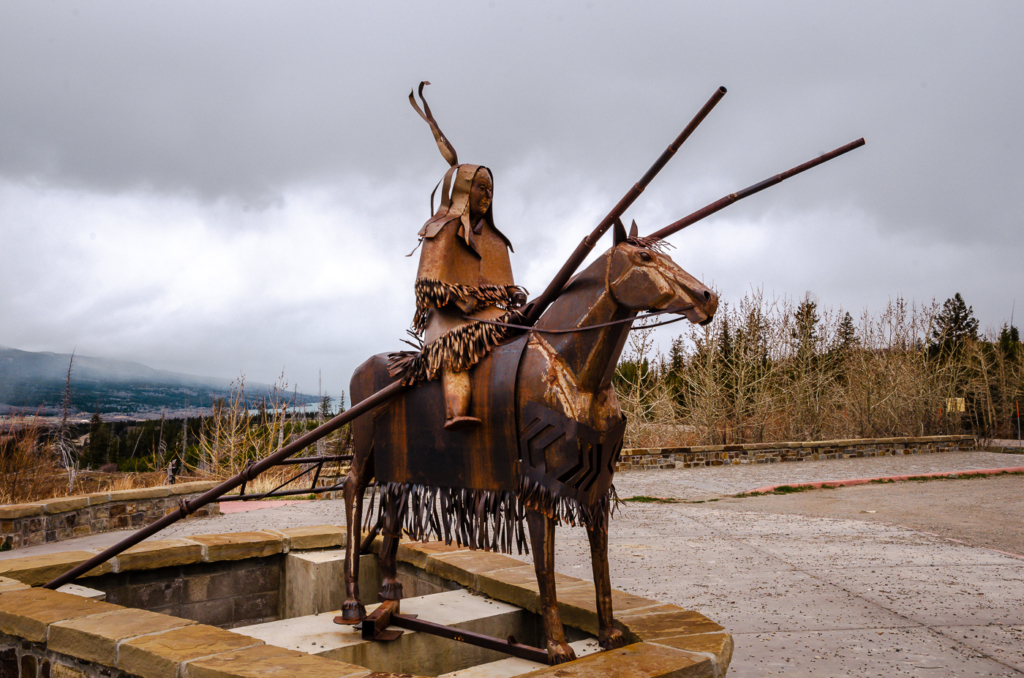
(955, 404)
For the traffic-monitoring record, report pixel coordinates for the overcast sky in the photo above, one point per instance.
(231, 187)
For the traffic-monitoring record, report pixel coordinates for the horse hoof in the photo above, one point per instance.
(352, 612)
(461, 423)
(391, 590)
(609, 639)
(559, 653)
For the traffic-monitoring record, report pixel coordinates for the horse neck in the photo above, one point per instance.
(592, 354)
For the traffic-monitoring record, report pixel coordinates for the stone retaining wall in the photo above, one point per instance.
(767, 453)
(68, 517)
(50, 634)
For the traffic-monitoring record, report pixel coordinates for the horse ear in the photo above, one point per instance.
(620, 231)
(633, 230)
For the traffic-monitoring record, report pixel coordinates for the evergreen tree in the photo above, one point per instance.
(99, 441)
(806, 331)
(326, 410)
(846, 334)
(1009, 340)
(955, 324)
(725, 345)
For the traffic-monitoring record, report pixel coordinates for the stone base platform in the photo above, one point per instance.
(61, 635)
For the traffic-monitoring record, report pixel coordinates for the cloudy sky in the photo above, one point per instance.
(231, 187)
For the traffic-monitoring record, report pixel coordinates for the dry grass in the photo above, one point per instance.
(30, 469)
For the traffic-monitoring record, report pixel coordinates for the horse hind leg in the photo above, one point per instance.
(608, 636)
(542, 539)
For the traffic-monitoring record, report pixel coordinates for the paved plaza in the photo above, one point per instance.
(803, 595)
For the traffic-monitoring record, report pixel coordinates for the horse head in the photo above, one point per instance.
(641, 278)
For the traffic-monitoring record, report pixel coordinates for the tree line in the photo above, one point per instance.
(770, 370)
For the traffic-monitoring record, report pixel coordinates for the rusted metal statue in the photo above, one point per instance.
(505, 421)
(550, 429)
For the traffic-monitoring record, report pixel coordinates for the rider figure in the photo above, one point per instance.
(464, 270)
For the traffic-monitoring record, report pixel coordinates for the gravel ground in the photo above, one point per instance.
(809, 584)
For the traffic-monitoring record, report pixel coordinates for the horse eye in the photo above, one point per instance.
(645, 256)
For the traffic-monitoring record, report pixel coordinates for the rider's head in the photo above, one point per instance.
(480, 194)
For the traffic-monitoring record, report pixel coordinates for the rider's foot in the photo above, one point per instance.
(461, 423)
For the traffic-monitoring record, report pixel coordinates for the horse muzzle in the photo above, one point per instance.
(697, 305)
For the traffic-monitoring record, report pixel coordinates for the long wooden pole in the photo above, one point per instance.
(721, 203)
(378, 398)
(536, 308)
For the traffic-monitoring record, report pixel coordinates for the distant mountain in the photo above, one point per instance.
(35, 382)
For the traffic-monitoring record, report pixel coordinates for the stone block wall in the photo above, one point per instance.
(52, 634)
(768, 453)
(68, 517)
(225, 594)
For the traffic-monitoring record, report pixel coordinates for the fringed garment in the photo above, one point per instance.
(481, 519)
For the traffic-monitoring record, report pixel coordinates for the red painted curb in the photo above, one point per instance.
(241, 506)
(864, 481)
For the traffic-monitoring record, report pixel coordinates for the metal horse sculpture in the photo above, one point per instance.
(551, 437)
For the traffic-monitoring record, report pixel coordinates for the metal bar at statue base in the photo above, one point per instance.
(509, 646)
(187, 507)
(376, 627)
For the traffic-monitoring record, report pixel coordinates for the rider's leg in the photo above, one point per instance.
(457, 395)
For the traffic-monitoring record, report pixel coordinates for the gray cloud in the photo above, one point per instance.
(235, 124)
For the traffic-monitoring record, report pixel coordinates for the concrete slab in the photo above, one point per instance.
(841, 550)
(862, 652)
(1004, 644)
(708, 559)
(946, 595)
(745, 602)
(738, 524)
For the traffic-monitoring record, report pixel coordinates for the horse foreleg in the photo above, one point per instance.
(352, 610)
(391, 588)
(542, 539)
(597, 531)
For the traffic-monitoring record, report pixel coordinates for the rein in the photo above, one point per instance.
(589, 327)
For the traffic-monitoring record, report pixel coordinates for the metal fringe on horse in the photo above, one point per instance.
(482, 519)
